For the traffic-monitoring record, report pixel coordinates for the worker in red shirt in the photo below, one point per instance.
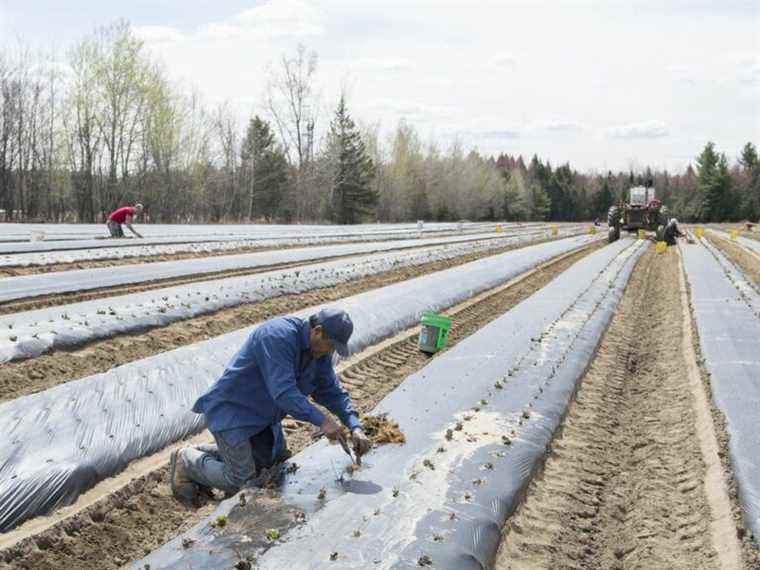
(123, 215)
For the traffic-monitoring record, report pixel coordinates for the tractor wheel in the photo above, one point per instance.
(613, 221)
(664, 216)
(613, 217)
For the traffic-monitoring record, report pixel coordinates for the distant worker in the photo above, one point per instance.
(672, 232)
(123, 215)
(281, 364)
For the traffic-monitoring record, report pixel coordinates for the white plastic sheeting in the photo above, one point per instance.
(60, 442)
(12, 288)
(727, 312)
(61, 233)
(31, 333)
(49, 252)
(445, 498)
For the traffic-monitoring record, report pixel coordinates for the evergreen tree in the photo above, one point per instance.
(751, 184)
(353, 169)
(267, 171)
(711, 190)
(602, 200)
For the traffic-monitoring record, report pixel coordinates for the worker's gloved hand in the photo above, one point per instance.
(331, 429)
(361, 442)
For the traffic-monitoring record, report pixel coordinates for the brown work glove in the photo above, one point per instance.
(361, 442)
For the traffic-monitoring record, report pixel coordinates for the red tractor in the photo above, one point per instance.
(643, 211)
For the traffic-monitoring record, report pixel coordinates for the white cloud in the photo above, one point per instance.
(641, 130)
(384, 64)
(558, 126)
(504, 61)
(219, 31)
(283, 18)
(158, 34)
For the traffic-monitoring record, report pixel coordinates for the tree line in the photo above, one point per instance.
(107, 126)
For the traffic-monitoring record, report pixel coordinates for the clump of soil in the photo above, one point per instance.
(381, 430)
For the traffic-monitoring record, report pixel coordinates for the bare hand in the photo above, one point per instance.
(331, 429)
(361, 442)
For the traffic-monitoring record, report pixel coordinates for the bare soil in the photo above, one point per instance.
(624, 485)
(29, 376)
(745, 260)
(129, 523)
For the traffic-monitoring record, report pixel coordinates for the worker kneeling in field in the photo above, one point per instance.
(672, 232)
(281, 364)
(123, 215)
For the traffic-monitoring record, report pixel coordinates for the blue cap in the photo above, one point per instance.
(337, 326)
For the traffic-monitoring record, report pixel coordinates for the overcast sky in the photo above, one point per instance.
(600, 84)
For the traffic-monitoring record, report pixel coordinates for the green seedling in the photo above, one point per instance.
(221, 521)
(467, 496)
(441, 449)
(498, 385)
(300, 517)
(506, 440)
(429, 464)
(488, 466)
(526, 415)
(452, 517)
(478, 481)
(13, 338)
(424, 560)
(242, 500)
(292, 468)
(243, 565)
(449, 435)
(322, 494)
(187, 542)
(357, 533)
(437, 538)
(272, 534)
(333, 556)
(377, 512)
(395, 491)
(459, 426)
(483, 402)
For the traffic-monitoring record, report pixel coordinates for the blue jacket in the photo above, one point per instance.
(270, 377)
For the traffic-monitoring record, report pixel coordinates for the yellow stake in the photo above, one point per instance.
(555, 230)
(642, 234)
(661, 247)
(592, 230)
(734, 234)
(700, 232)
(499, 229)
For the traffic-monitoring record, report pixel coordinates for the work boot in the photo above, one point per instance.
(182, 486)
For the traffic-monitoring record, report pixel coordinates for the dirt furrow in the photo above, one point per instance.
(624, 484)
(37, 374)
(747, 261)
(142, 515)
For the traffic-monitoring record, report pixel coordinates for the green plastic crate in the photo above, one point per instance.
(434, 333)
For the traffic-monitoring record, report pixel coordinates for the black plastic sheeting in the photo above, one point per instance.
(60, 442)
(727, 311)
(444, 498)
